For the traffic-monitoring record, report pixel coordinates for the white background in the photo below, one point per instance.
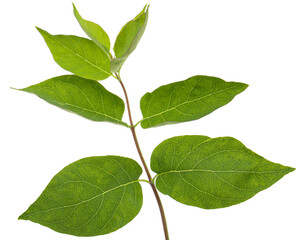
(256, 42)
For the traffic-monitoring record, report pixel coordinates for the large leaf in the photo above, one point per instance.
(211, 172)
(187, 100)
(93, 196)
(78, 55)
(94, 31)
(85, 97)
(128, 38)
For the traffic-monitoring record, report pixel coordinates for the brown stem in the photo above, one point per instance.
(132, 128)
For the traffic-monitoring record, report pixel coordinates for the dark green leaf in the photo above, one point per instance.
(93, 196)
(187, 100)
(85, 97)
(128, 39)
(212, 172)
(94, 31)
(78, 55)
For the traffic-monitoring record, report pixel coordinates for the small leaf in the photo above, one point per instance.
(78, 55)
(94, 31)
(212, 172)
(92, 196)
(187, 100)
(128, 39)
(84, 97)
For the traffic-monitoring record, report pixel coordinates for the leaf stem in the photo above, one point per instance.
(132, 128)
(135, 125)
(143, 180)
(153, 179)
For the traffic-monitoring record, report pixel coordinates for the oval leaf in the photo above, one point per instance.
(187, 100)
(128, 39)
(94, 31)
(78, 55)
(84, 97)
(211, 172)
(93, 196)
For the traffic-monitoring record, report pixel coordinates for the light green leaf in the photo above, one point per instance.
(78, 55)
(92, 196)
(187, 100)
(84, 97)
(128, 39)
(94, 31)
(212, 172)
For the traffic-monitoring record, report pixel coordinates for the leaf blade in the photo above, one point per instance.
(212, 172)
(84, 97)
(128, 39)
(92, 196)
(187, 100)
(78, 55)
(94, 31)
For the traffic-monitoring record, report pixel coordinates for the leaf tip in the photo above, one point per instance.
(14, 88)
(74, 9)
(143, 12)
(22, 216)
(41, 31)
(19, 89)
(147, 7)
(246, 85)
(242, 86)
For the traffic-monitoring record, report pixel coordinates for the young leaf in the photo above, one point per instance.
(93, 196)
(78, 55)
(212, 172)
(94, 31)
(187, 100)
(128, 39)
(85, 97)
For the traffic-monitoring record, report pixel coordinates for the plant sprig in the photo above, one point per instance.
(98, 195)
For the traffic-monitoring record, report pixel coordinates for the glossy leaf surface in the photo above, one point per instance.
(84, 97)
(128, 39)
(78, 55)
(211, 172)
(187, 100)
(94, 31)
(93, 196)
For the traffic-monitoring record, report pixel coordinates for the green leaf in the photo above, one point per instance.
(94, 31)
(78, 55)
(187, 100)
(212, 172)
(128, 38)
(92, 196)
(84, 97)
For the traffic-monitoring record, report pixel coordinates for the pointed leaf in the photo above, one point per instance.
(128, 39)
(84, 97)
(187, 100)
(212, 172)
(78, 55)
(94, 31)
(93, 196)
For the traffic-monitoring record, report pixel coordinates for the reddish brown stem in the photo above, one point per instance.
(132, 128)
